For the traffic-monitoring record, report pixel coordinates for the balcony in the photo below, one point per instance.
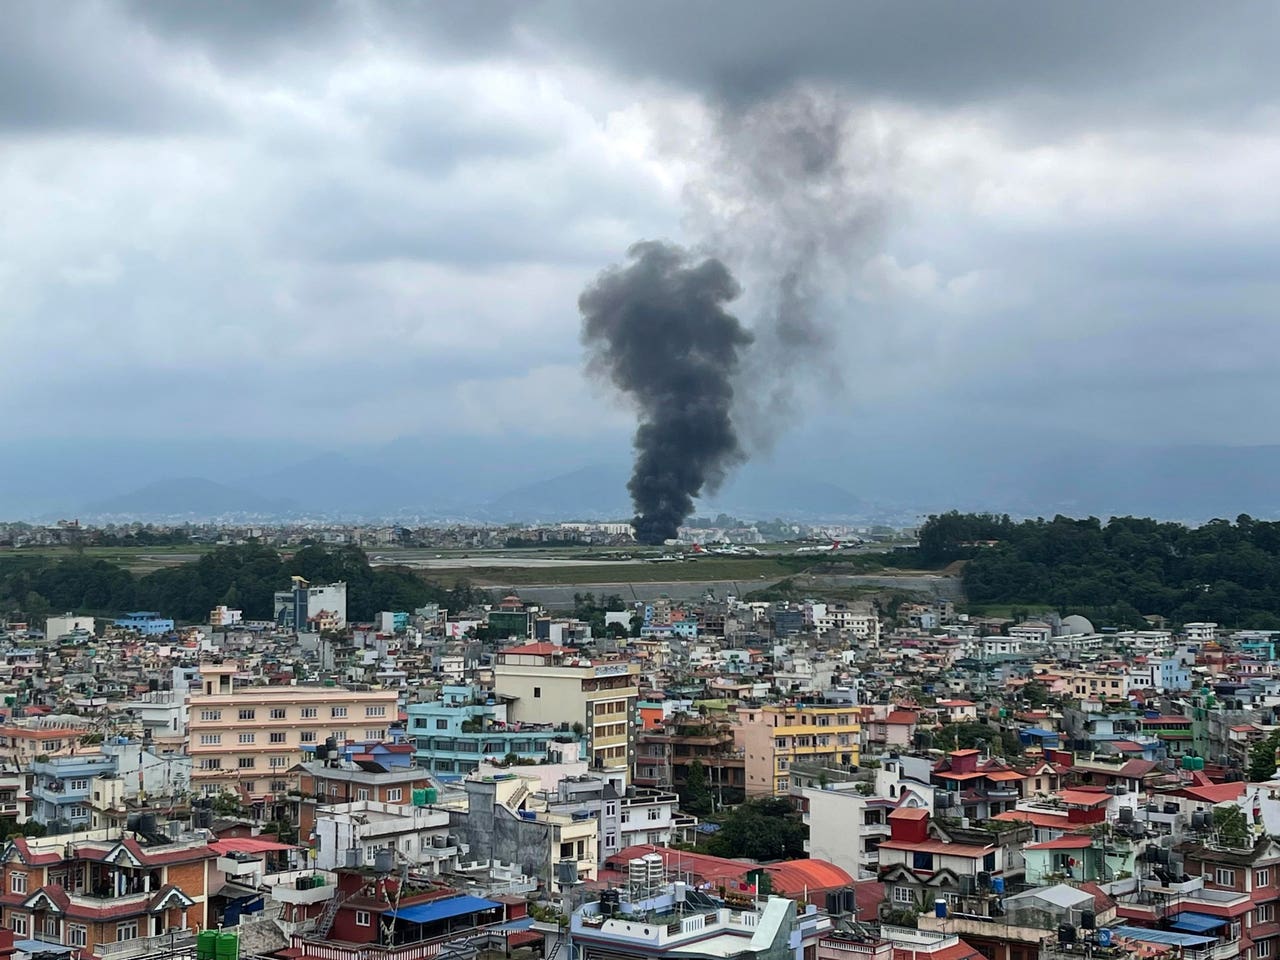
(134, 902)
(283, 887)
(177, 943)
(1222, 950)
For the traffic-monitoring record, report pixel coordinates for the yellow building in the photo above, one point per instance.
(777, 735)
(548, 684)
(247, 739)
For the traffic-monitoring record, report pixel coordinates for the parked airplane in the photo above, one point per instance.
(726, 550)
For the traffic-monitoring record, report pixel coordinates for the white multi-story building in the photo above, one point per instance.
(549, 684)
(67, 624)
(1203, 632)
(859, 624)
(418, 837)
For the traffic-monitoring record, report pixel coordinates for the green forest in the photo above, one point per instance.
(1118, 571)
(243, 577)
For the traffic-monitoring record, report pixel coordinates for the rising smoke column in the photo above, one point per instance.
(658, 331)
(793, 192)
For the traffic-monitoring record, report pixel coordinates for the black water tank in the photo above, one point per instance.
(610, 902)
(1087, 920)
(1066, 933)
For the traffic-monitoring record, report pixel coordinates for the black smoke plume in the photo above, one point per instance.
(657, 328)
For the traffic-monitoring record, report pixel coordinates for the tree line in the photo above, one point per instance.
(243, 577)
(1116, 572)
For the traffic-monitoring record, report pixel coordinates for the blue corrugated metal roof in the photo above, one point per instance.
(1197, 922)
(443, 909)
(41, 946)
(1170, 937)
(523, 923)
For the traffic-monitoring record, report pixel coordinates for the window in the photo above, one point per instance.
(1224, 878)
(248, 786)
(78, 784)
(1262, 878)
(307, 736)
(210, 739)
(277, 762)
(210, 763)
(442, 724)
(17, 883)
(127, 930)
(51, 928)
(278, 786)
(362, 794)
(77, 935)
(278, 736)
(922, 861)
(375, 733)
(245, 763)
(1265, 913)
(362, 918)
(309, 713)
(278, 713)
(610, 840)
(378, 711)
(394, 795)
(903, 895)
(337, 712)
(1262, 949)
(989, 861)
(247, 713)
(246, 738)
(210, 714)
(19, 924)
(537, 693)
(655, 814)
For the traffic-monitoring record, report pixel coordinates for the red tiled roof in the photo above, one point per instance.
(1083, 798)
(795, 876)
(33, 859)
(957, 951)
(158, 857)
(909, 813)
(55, 893)
(1213, 792)
(248, 845)
(902, 716)
(938, 846)
(536, 649)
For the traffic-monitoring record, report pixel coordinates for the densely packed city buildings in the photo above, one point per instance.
(499, 778)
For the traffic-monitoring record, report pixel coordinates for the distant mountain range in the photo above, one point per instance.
(193, 497)
(514, 480)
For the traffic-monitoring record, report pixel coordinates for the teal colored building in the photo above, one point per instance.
(452, 735)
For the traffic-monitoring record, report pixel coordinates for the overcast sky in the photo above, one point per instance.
(345, 222)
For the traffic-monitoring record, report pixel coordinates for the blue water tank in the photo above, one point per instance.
(997, 885)
(1104, 937)
(940, 909)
